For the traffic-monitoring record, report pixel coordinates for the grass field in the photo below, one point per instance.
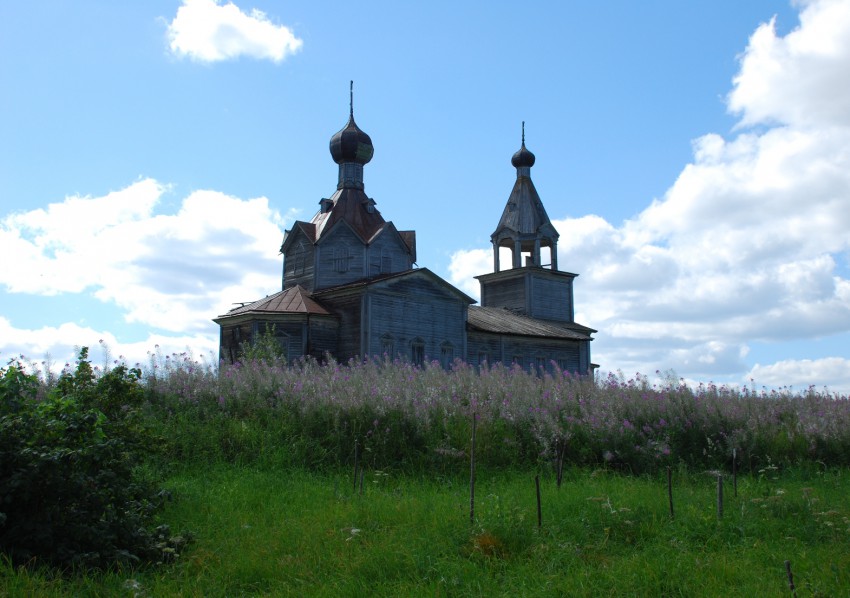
(262, 531)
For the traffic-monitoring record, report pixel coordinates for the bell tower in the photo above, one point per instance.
(527, 286)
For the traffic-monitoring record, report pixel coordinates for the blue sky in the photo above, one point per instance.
(694, 157)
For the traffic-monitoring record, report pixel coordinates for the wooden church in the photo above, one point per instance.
(351, 289)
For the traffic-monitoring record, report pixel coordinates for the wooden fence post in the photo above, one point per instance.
(735, 471)
(719, 496)
(559, 461)
(472, 474)
(355, 465)
(670, 490)
(790, 575)
(539, 507)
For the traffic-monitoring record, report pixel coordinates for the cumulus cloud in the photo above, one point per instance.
(207, 31)
(744, 245)
(55, 347)
(792, 79)
(171, 272)
(830, 372)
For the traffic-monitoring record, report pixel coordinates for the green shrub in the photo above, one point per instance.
(69, 492)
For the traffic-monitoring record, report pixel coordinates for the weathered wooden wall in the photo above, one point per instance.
(414, 308)
(388, 254)
(551, 299)
(508, 293)
(299, 262)
(347, 309)
(529, 352)
(341, 258)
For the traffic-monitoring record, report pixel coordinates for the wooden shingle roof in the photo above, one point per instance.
(351, 206)
(502, 321)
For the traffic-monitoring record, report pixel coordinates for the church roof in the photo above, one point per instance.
(503, 321)
(352, 206)
(524, 214)
(293, 300)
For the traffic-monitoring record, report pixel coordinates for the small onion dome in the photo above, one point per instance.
(351, 145)
(523, 157)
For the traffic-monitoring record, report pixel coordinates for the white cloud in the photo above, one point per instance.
(744, 245)
(465, 265)
(799, 79)
(56, 347)
(830, 372)
(207, 31)
(168, 271)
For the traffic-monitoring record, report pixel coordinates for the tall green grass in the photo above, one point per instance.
(259, 460)
(420, 418)
(262, 531)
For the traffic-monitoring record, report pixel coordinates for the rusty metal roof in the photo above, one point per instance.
(409, 238)
(350, 205)
(293, 300)
(502, 321)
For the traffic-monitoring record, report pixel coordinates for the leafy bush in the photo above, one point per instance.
(70, 494)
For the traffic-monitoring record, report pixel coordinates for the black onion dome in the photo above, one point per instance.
(523, 157)
(351, 144)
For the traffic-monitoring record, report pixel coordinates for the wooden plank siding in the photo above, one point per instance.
(297, 334)
(347, 308)
(413, 309)
(299, 262)
(530, 353)
(551, 299)
(509, 294)
(341, 257)
(387, 253)
(532, 291)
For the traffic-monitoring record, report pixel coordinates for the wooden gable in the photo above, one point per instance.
(413, 315)
(299, 257)
(388, 252)
(341, 256)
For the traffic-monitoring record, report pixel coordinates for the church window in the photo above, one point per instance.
(341, 260)
(447, 354)
(388, 345)
(417, 352)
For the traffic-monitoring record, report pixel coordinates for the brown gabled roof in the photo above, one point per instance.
(409, 238)
(308, 228)
(350, 205)
(502, 321)
(293, 300)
